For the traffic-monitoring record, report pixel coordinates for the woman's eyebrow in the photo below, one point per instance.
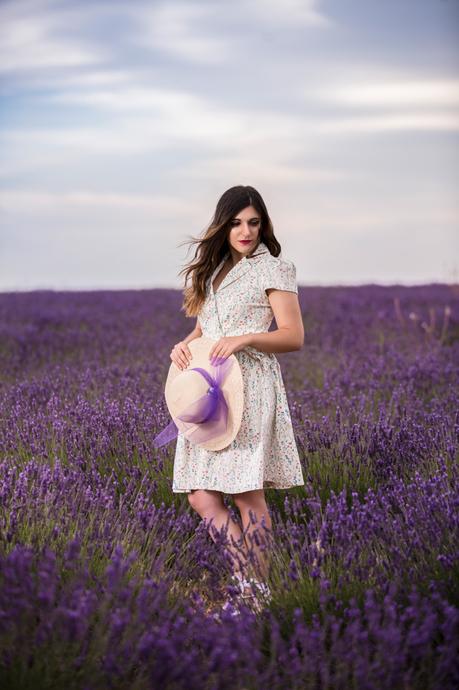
(254, 218)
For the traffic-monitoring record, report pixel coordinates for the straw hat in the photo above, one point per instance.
(204, 401)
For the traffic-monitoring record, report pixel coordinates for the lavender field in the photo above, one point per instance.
(107, 578)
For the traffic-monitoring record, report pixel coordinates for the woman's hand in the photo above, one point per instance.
(181, 355)
(226, 346)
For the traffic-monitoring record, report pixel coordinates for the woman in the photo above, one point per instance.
(238, 284)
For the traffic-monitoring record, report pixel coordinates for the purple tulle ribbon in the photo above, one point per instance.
(208, 414)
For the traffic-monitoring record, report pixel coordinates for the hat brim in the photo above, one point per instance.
(232, 388)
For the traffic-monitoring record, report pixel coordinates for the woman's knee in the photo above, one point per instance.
(251, 500)
(204, 500)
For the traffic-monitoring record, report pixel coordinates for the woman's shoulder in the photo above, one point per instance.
(277, 272)
(270, 262)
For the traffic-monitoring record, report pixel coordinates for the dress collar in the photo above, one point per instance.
(259, 251)
(238, 269)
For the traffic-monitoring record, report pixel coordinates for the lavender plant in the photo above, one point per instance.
(108, 579)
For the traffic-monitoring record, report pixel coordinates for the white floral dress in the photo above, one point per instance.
(264, 453)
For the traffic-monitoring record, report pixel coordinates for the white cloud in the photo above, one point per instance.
(90, 80)
(32, 38)
(167, 120)
(207, 32)
(170, 102)
(296, 13)
(388, 105)
(175, 29)
(403, 121)
(397, 93)
(25, 202)
(270, 166)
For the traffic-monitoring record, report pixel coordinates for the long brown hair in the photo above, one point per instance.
(213, 245)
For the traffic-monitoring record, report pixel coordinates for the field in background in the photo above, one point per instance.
(106, 576)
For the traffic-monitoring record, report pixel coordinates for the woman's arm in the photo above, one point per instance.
(290, 330)
(195, 333)
(288, 336)
(180, 353)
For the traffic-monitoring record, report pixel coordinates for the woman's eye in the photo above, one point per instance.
(253, 222)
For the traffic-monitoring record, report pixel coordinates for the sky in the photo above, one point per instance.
(122, 124)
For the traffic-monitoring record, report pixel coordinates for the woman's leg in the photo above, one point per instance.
(209, 504)
(252, 504)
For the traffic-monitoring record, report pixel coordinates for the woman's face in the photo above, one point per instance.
(244, 226)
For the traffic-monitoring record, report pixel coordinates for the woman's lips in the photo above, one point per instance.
(245, 241)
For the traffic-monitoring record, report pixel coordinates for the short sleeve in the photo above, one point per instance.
(279, 274)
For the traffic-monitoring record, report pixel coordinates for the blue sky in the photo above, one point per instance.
(121, 124)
